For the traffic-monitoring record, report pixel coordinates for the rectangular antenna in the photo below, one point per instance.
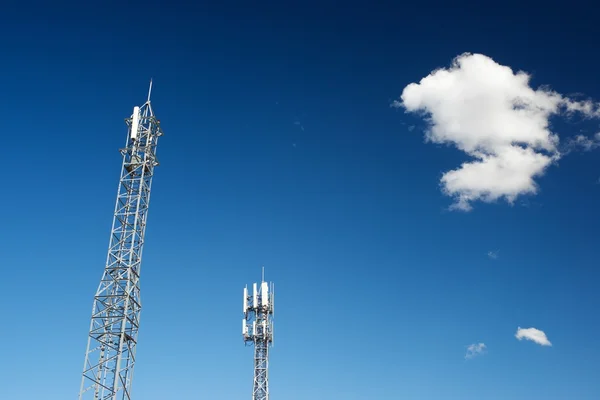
(135, 122)
(264, 295)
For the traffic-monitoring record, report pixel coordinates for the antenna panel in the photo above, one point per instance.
(264, 296)
(245, 300)
(135, 122)
(254, 296)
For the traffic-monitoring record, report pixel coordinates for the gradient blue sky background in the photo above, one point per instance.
(380, 288)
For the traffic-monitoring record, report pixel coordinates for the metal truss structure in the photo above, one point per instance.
(258, 314)
(112, 341)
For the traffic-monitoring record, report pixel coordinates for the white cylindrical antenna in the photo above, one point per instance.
(245, 300)
(244, 327)
(264, 295)
(135, 122)
(150, 90)
(254, 296)
(253, 328)
(265, 333)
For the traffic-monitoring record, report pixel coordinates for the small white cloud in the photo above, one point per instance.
(299, 125)
(474, 350)
(411, 128)
(582, 142)
(494, 254)
(533, 334)
(492, 114)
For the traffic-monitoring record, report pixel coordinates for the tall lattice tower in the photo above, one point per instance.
(110, 355)
(257, 329)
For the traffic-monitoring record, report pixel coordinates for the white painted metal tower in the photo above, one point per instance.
(112, 341)
(257, 329)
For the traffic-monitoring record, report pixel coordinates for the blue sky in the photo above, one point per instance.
(281, 149)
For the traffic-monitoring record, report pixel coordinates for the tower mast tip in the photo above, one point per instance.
(150, 90)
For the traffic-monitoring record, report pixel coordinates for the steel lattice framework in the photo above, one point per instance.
(110, 355)
(260, 388)
(258, 314)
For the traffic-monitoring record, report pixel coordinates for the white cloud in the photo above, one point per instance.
(535, 335)
(474, 350)
(492, 114)
(585, 143)
(493, 254)
(587, 108)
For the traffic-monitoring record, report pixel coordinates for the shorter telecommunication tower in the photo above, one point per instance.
(257, 329)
